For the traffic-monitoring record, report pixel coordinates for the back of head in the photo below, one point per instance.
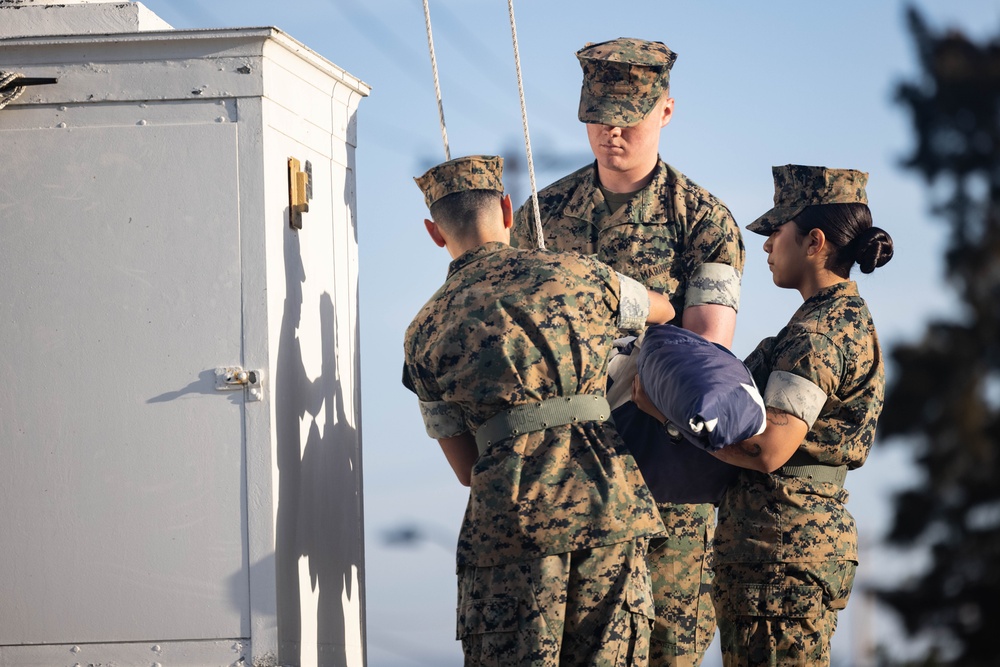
(835, 202)
(460, 193)
(460, 213)
(623, 79)
(849, 228)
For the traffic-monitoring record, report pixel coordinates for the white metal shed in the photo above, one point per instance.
(158, 507)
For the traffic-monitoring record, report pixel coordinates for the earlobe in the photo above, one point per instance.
(668, 111)
(435, 233)
(508, 212)
(817, 241)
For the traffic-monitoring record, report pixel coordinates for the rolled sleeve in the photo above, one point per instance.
(633, 304)
(442, 419)
(714, 283)
(795, 395)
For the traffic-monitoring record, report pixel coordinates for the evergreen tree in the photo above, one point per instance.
(945, 396)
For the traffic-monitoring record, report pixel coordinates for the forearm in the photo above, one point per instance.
(462, 453)
(660, 308)
(765, 452)
(771, 449)
(711, 321)
(746, 454)
(640, 306)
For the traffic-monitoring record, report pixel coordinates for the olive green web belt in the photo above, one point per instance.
(540, 416)
(806, 467)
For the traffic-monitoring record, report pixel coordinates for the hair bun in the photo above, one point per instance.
(873, 248)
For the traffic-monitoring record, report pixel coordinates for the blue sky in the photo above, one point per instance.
(756, 85)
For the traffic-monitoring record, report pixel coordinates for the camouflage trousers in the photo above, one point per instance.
(591, 607)
(780, 614)
(680, 567)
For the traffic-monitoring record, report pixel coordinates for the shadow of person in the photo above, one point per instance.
(319, 515)
(330, 528)
(295, 396)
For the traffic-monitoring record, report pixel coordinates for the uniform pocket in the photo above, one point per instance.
(489, 615)
(777, 601)
(639, 596)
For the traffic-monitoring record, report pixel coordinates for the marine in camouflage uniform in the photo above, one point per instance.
(551, 550)
(678, 239)
(786, 546)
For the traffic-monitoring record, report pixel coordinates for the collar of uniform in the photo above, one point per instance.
(580, 203)
(476, 253)
(583, 203)
(844, 289)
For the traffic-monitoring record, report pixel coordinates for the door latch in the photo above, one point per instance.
(232, 378)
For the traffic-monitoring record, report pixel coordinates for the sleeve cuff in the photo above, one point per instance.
(633, 304)
(714, 283)
(442, 419)
(795, 395)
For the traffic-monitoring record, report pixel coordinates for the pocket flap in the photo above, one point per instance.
(773, 601)
(639, 598)
(497, 614)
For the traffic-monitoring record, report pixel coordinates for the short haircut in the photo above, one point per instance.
(460, 213)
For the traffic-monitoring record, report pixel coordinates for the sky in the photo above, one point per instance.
(756, 84)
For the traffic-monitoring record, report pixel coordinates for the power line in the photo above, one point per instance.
(197, 14)
(387, 40)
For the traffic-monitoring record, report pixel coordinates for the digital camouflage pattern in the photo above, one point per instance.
(680, 567)
(831, 342)
(680, 240)
(519, 614)
(673, 236)
(474, 172)
(797, 186)
(511, 327)
(770, 523)
(622, 80)
(787, 621)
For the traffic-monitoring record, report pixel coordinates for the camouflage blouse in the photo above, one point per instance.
(673, 236)
(826, 368)
(511, 327)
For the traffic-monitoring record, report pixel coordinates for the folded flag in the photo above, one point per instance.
(702, 388)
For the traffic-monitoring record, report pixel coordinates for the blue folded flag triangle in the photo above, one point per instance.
(710, 399)
(702, 388)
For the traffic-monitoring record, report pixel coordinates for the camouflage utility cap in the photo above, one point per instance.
(797, 186)
(475, 172)
(622, 80)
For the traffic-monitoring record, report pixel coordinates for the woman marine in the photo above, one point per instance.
(785, 545)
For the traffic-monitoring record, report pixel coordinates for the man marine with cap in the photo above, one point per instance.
(509, 362)
(641, 216)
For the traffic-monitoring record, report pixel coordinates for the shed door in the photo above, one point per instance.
(121, 467)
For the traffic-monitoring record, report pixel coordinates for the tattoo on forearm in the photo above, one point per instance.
(777, 417)
(751, 449)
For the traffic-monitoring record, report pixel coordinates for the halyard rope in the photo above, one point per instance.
(8, 96)
(527, 140)
(437, 84)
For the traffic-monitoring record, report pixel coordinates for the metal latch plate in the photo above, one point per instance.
(232, 378)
